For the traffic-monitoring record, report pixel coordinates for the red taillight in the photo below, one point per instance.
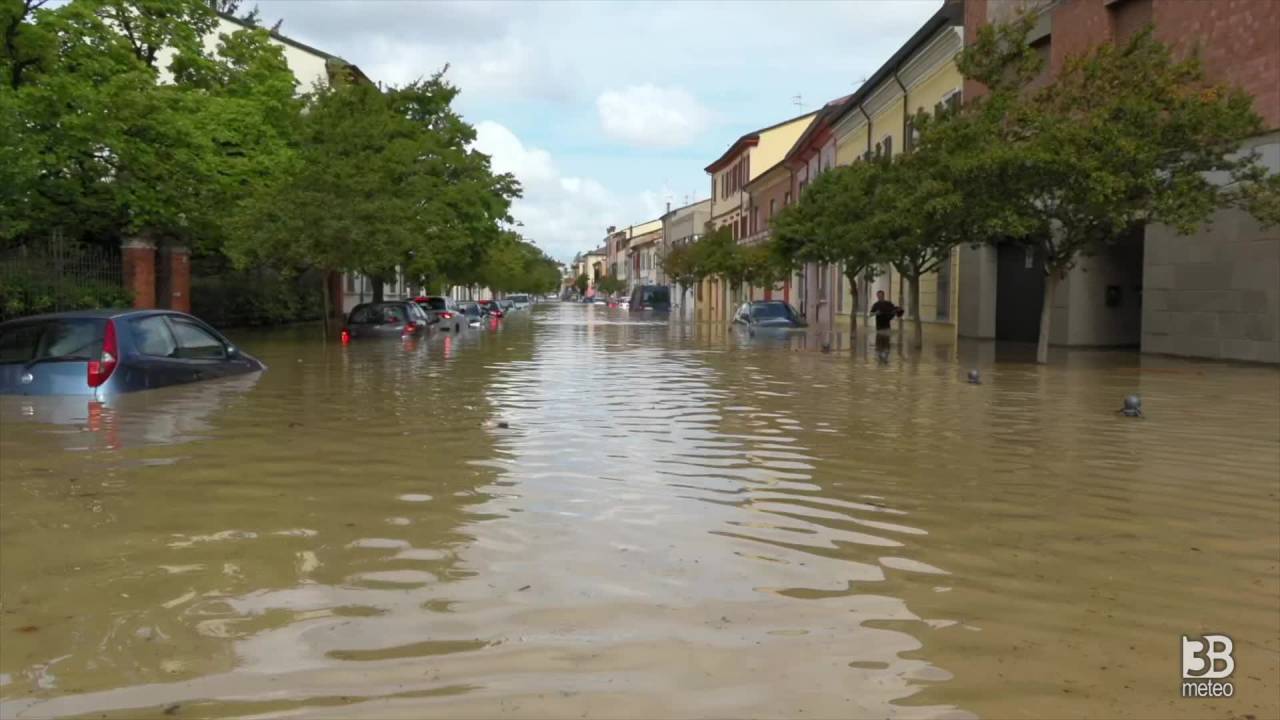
(446, 315)
(410, 329)
(101, 369)
(345, 336)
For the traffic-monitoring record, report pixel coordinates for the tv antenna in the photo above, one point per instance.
(797, 101)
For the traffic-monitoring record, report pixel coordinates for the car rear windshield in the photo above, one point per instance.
(769, 311)
(435, 303)
(656, 296)
(61, 339)
(379, 315)
(520, 298)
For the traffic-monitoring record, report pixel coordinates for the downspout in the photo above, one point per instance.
(905, 111)
(863, 109)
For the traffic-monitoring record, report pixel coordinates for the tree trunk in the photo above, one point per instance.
(917, 330)
(328, 309)
(1046, 314)
(853, 309)
(376, 281)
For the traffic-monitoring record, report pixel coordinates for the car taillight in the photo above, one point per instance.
(410, 329)
(446, 315)
(345, 336)
(101, 369)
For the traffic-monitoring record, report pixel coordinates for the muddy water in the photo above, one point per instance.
(579, 515)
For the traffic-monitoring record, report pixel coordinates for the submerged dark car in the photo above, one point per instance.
(396, 319)
(471, 311)
(108, 352)
(768, 313)
(651, 297)
(491, 308)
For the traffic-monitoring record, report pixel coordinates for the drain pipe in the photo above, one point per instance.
(863, 109)
(906, 112)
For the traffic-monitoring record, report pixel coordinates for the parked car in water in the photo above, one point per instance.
(442, 310)
(651, 297)
(471, 311)
(491, 308)
(768, 313)
(107, 352)
(395, 319)
(520, 302)
(506, 305)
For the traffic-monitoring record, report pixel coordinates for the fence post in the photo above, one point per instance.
(138, 263)
(177, 271)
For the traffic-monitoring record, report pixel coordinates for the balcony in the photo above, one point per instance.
(755, 238)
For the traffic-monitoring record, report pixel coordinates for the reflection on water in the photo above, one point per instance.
(578, 513)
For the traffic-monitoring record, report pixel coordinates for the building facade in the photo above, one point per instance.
(683, 226)
(743, 161)
(1212, 294)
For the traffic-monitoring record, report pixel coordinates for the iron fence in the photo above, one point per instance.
(58, 274)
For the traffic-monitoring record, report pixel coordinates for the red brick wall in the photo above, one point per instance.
(1239, 40)
(975, 16)
(139, 260)
(1239, 44)
(177, 291)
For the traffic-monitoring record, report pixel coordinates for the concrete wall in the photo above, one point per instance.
(1215, 293)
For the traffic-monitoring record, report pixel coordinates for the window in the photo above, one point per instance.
(746, 168)
(63, 339)
(152, 337)
(909, 139)
(742, 232)
(786, 199)
(755, 220)
(351, 282)
(196, 343)
(888, 147)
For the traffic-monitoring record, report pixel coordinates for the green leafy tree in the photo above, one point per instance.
(610, 284)
(98, 143)
(1124, 136)
(581, 283)
(827, 226)
(380, 181)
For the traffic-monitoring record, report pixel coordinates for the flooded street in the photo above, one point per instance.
(581, 514)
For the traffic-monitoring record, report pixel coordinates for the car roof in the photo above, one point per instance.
(101, 314)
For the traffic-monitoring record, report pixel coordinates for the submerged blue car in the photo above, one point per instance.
(108, 352)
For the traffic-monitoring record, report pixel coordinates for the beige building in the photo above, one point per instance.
(746, 159)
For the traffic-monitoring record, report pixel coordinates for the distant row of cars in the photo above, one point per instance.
(410, 318)
(643, 297)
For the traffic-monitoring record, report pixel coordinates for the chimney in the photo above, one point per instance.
(668, 206)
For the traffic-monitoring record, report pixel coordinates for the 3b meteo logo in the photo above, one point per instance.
(1205, 664)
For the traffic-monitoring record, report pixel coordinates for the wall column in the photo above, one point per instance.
(176, 293)
(138, 257)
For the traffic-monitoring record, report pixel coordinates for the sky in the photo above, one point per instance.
(606, 111)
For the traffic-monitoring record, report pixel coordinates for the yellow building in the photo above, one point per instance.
(746, 159)
(921, 77)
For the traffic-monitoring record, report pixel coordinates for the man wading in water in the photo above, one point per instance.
(884, 311)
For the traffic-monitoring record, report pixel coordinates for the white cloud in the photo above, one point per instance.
(652, 116)
(563, 214)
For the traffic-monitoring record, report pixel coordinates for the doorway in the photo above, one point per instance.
(1019, 292)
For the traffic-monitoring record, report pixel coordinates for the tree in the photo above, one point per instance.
(826, 226)
(382, 181)
(97, 143)
(610, 284)
(582, 282)
(1124, 136)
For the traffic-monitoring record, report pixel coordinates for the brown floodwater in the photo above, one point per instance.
(579, 514)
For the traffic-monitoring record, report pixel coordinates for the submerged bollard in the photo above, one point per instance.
(975, 378)
(1132, 406)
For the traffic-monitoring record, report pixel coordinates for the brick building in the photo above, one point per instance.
(1212, 294)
